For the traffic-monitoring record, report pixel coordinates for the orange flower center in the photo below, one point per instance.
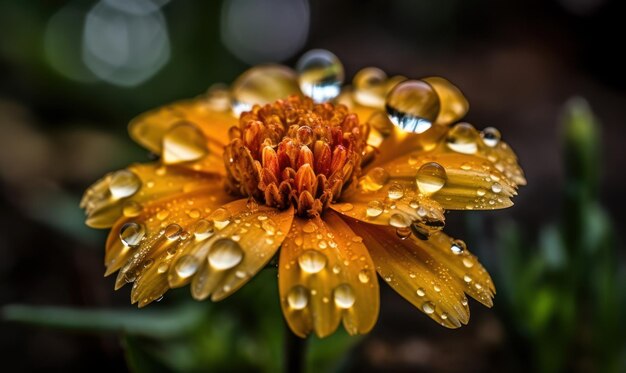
(295, 152)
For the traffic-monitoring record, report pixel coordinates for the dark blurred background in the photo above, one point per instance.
(73, 73)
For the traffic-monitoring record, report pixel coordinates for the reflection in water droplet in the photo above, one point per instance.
(183, 143)
(186, 266)
(428, 307)
(132, 233)
(369, 87)
(220, 217)
(462, 138)
(163, 267)
(412, 105)
(420, 292)
(430, 178)
(496, 188)
(399, 221)
(173, 231)
(263, 85)
(344, 296)
(320, 74)
(312, 261)
(395, 191)
(403, 233)
(298, 297)
(491, 136)
(458, 247)
(453, 104)
(375, 208)
(203, 229)
(225, 254)
(364, 276)
(124, 183)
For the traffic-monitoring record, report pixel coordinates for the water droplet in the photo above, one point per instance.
(173, 232)
(186, 266)
(163, 214)
(263, 85)
(467, 262)
(420, 292)
(403, 233)
(444, 316)
(496, 188)
(320, 74)
(491, 136)
(163, 267)
(312, 261)
(336, 269)
(269, 227)
(305, 135)
(464, 302)
(430, 178)
(309, 227)
(183, 143)
(364, 276)
(344, 296)
(132, 233)
(124, 183)
(298, 297)
(346, 207)
(462, 138)
(379, 120)
(148, 263)
(428, 307)
(480, 192)
(399, 221)
(421, 212)
(194, 214)
(467, 278)
(395, 191)
(453, 104)
(369, 87)
(131, 209)
(203, 229)
(322, 244)
(220, 217)
(458, 247)
(412, 105)
(225, 254)
(436, 288)
(478, 286)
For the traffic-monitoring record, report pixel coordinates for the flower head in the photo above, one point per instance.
(340, 182)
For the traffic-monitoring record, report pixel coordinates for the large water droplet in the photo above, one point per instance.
(430, 178)
(375, 208)
(132, 233)
(320, 74)
(462, 138)
(225, 254)
(173, 231)
(263, 85)
(428, 307)
(203, 229)
(344, 296)
(183, 143)
(312, 261)
(491, 136)
(399, 221)
(220, 217)
(369, 87)
(298, 297)
(124, 183)
(186, 266)
(413, 106)
(420, 292)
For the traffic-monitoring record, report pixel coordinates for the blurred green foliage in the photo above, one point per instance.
(563, 294)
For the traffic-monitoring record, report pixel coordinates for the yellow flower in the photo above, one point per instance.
(340, 183)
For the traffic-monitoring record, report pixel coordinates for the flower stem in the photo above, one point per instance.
(295, 352)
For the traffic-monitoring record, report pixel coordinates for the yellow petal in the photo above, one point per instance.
(411, 270)
(124, 192)
(453, 104)
(238, 251)
(149, 128)
(326, 275)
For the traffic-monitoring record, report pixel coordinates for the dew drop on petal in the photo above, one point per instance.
(344, 296)
(305, 135)
(220, 217)
(186, 266)
(369, 87)
(430, 178)
(309, 227)
(124, 183)
(395, 191)
(225, 254)
(131, 209)
(163, 267)
(399, 221)
(269, 227)
(412, 105)
(462, 138)
(491, 136)
(428, 307)
(375, 208)
(375, 179)
(203, 229)
(173, 232)
(312, 261)
(458, 247)
(132, 233)
(364, 276)
(467, 262)
(496, 188)
(298, 297)
(420, 292)
(403, 233)
(183, 143)
(320, 75)
(262, 85)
